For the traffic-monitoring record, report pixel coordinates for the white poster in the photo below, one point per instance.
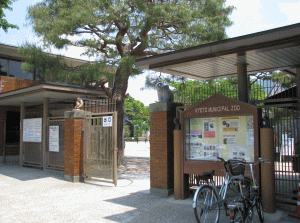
(32, 130)
(54, 138)
(239, 152)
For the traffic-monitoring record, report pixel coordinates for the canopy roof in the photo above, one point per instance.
(276, 49)
(34, 95)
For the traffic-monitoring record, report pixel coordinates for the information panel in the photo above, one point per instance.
(32, 130)
(54, 138)
(226, 137)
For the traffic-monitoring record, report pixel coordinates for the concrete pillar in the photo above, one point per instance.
(74, 145)
(267, 170)
(162, 126)
(243, 88)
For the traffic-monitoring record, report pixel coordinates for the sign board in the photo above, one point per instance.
(219, 127)
(107, 121)
(54, 138)
(32, 130)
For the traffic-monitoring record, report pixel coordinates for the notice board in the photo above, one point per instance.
(219, 127)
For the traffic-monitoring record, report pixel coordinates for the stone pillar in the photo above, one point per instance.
(74, 145)
(162, 126)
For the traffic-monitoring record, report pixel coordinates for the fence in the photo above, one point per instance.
(279, 103)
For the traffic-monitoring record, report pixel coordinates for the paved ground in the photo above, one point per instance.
(32, 195)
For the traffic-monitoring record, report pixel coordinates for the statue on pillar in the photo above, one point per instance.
(79, 104)
(164, 93)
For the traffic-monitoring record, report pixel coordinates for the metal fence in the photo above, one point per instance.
(100, 105)
(279, 103)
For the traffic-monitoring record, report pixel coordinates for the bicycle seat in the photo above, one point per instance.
(208, 173)
(238, 177)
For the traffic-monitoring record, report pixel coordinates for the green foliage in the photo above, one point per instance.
(138, 114)
(196, 91)
(4, 24)
(53, 68)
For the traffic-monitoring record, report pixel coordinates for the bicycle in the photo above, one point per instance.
(208, 201)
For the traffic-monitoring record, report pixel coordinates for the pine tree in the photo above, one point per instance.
(118, 32)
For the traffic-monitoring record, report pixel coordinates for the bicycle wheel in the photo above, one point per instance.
(205, 205)
(260, 210)
(238, 216)
(246, 186)
(249, 213)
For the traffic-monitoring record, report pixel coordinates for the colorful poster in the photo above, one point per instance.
(211, 152)
(196, 126)
(229, 139)
(209, 125)
(230, 124)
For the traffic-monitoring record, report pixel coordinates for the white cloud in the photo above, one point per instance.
(291, 10)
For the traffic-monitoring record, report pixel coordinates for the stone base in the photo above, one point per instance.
(75, 113)
(74, 179)
(161, 192)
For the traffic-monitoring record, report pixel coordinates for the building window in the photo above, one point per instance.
(3, 67)
(13, 68)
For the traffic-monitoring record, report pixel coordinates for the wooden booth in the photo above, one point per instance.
(216, 127)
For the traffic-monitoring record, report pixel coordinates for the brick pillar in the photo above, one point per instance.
(74, 145)
(162, 126)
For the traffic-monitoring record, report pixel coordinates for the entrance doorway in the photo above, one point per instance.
(12, 136)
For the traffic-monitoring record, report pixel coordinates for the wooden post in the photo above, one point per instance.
(267, 170)
(44, 132)
(243, 90)
(115, 167)
(22, 117)
(178, 167)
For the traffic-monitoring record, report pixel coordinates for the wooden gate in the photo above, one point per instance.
(56, 143)
(100, 156)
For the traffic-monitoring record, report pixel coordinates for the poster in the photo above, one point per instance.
(230, 124)
(239, 152)
(32, 130)
(229, 139)
(209, 127)
(211, 151)
(54, 138)
(196, 126)
(250, 132)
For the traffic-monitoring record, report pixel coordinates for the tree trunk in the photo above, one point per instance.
(119, 91)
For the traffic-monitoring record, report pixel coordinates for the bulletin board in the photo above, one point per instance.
(219, 127)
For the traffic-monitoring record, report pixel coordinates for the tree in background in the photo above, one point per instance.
(139, 115)
(117, 32)
(4, 24)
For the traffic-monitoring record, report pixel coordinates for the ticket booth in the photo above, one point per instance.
(217, 127)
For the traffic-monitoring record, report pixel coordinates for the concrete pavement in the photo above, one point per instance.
(32, 195)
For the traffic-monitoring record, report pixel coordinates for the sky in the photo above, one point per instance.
(249, 16)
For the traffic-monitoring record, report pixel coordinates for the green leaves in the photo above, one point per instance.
(138, 114)
(4, 24)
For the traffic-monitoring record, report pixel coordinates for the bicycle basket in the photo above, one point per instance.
(236, 167)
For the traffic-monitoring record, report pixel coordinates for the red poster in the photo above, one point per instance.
(210, 134)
